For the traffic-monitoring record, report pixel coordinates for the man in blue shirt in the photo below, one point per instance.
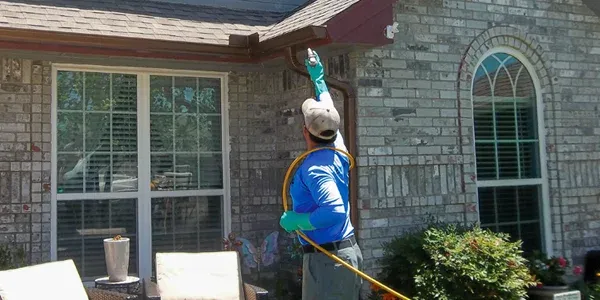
(321, 209)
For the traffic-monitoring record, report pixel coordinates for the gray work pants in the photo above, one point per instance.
(325, 279)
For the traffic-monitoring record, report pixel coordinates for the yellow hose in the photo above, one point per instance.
(286, 184)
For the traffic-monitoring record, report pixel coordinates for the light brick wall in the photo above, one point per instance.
(409, 97)
(25, 135)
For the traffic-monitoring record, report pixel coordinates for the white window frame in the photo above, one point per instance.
(545, 222)
(144, 194)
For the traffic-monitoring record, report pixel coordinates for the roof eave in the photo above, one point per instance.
(241, 49)
(360, 24)
(363, 23)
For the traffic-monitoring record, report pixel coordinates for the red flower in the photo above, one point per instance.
(389, 296)
(375, 288)
(577, 270)
(562, 262)
(539, 285)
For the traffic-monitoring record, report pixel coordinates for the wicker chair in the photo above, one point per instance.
(98, 294)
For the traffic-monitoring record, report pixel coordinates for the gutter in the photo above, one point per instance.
(349, 124)
(241, 49)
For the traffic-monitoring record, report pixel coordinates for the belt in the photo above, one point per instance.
(333, 246)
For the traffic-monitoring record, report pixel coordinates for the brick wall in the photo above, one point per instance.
(410, 152)
(25, 134)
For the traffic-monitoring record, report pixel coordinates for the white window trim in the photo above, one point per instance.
(546, 221)
(144, 250)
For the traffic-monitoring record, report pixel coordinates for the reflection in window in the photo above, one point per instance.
(507, 148)
(186, 224)
(96, 132)
(185, 125)
(84, 224)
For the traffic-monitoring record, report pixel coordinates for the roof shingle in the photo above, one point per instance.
(135, 18)
(315, 13)
(160, 20)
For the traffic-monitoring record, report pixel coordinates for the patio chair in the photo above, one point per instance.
(201, 276)
(53, 280)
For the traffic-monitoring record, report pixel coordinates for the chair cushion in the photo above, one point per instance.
(199, 276)
(53, 280)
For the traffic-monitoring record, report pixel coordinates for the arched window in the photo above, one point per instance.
(510, 174)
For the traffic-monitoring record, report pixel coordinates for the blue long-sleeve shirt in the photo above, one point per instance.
(320, 187)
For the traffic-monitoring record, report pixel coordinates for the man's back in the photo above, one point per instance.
(320, 185)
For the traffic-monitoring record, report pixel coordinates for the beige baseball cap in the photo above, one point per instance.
(321, 118)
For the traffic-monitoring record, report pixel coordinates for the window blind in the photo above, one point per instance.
(507, 149)
(504, 117)
(185, 125)
(82, 227)
(186, 224)
(97, 132)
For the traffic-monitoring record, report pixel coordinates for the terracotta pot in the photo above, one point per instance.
(116, 254)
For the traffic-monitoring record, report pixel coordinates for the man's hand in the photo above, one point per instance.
(291, 221)
(317, 74)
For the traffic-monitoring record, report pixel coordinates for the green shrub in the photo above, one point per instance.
(447, 262)
(11, 257)
(589, 291)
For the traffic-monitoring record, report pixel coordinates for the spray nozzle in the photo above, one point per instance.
(311, 57)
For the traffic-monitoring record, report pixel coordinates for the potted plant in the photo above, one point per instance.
(550, 274)
(116, 253)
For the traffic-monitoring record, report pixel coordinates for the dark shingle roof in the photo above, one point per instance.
(160, 20)
(136, 18)
(315, 13)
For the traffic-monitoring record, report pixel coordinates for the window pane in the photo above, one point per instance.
(531, 236)
(69, 87)
(186, 133)
(503, 85)
(184, 92)
(504, 111)
(70, 173)
(505, 120)
(508, 164)
(97, 132)
(211, 171)
(184, 136)
(186, 224)
(487, 206)
(513, 210)
(161, 133)
(209, 95)
(97, 91)
(210, 133)
(100, 137)
(486, 160)
(124, 93)
(82, 227)
(161, 94)
(69, 132)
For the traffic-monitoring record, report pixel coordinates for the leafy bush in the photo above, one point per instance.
(11, 257)
(450, 263)
(589, 291)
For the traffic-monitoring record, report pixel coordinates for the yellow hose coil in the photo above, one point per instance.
(286, 185)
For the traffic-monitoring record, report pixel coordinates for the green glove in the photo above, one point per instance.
(317, 75)
(291, 221)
